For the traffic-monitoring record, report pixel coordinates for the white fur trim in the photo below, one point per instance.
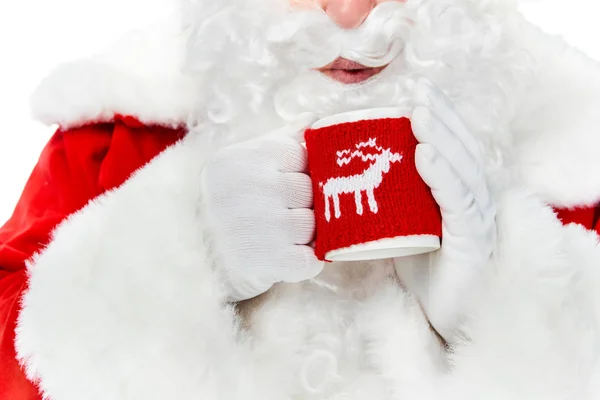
(557, 127)
(139, 77)
(123, 304)
(534, 329)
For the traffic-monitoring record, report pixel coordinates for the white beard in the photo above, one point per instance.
(330, 337)
(256, 59)
(253, 85)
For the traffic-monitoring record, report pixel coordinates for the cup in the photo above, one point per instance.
(370, 202)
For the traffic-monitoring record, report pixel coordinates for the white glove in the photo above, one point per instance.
(259, 221)
(449, 160)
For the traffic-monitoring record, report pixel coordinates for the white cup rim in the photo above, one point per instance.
(400, 246)
(362, 115)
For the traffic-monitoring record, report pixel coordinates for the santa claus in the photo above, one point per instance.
(162, 246)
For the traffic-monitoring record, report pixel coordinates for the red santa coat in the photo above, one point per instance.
(97, 149)
(76, 166)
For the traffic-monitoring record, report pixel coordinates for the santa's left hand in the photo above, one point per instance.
(450, 162)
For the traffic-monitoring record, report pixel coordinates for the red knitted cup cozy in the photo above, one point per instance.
(366, 185)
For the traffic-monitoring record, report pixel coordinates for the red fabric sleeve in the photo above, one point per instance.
(597, 220)
(588, 217)
(584, 216)
(76, 165)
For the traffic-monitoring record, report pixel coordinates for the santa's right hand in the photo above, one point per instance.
(258, 214)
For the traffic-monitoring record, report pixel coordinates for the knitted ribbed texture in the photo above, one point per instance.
(366, 184)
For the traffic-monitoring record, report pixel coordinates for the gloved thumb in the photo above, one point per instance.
(295, 129)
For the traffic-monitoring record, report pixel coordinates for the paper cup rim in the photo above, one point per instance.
(362, 115)
(400, 246)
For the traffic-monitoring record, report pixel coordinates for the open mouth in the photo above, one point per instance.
(349, 72)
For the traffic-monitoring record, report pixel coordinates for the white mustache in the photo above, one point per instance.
(310, 39)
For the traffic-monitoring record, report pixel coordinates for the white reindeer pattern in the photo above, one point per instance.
(367, 181)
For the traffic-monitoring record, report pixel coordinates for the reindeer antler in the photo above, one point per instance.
(372, 142)
(345, 156)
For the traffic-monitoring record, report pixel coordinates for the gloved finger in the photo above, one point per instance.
(299, 224)
(222, 188)
(429, 96)
(295, 129)
(430, 130)
(296, 190)
(300, 264)
(456, 202)
(279, 225)
(300, 125)
(288, 154)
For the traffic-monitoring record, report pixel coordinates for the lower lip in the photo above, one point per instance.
(351, 76)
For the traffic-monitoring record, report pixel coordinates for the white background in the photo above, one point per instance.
(35, 35)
